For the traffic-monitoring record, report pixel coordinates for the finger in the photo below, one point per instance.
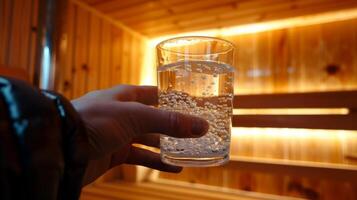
(147, 95)
(150, 159)
(152, 120)
(152, 140)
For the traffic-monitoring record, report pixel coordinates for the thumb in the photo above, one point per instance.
(153, 120)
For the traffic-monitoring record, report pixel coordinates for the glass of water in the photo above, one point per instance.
(196, 77)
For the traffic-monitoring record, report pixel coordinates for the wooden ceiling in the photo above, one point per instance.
(161, 17)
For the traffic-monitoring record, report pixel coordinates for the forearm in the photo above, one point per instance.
(43, 145)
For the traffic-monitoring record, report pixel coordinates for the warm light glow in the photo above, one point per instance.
(149, 69)
(292, 111)
(149, 78)
(290, 133)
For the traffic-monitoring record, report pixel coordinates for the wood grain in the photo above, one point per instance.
(155, 18)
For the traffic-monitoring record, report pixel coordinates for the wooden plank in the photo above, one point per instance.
(33, 38)
(25, 31)
(115, 5)
(105, 57)
(125, 61)
(117, 41)
(323, 171)
(15, 35)
(81, 52)
(334, 122)
(145, 16)
(354, 49)
(294, 61)
(135, 9)
(337, 99)
(245, 17)
(107, 18)
(208, 10)
(134, 57)
(3, 23)
(18, 73)
(94, 63)
(177, 191)
(67, 70)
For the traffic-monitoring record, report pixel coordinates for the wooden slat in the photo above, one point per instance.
(25, 31)
(18, 73)
(108, 6)
(17, 40)
(94, 64)
(334, 122)
(15, 35)
(209, 11)
(81, 53)
(33, 38)
(117, 41)
(259, 14)
(297, 168)
(5, 22)
(135, 9)
(337, 99)
(66, 71)
(105, 56)
(145, 16)
(171, 190)
(94, 53)
(155, 18)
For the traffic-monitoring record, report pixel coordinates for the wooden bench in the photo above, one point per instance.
(312, 100)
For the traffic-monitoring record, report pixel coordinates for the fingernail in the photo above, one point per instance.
(199, 127)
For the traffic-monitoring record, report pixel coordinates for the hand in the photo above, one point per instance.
(118, 117)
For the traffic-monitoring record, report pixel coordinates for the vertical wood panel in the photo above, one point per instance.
(105, 58)
(66, 71)
(117, 41)
(33, 36)
(17, 40)
(81, 52)
(100, 54)
(25, 34)
(94, 53)
(15, 34)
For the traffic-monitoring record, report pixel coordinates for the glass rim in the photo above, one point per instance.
(230, 48)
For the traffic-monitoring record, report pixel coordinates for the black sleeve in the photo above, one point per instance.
(43, 144)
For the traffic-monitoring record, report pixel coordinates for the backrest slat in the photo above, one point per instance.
(337, 99)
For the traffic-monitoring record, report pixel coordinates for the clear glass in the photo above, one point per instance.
(195, 76)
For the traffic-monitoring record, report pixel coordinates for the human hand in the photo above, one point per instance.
(118, 117)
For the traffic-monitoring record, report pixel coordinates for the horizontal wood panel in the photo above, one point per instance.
(163, 190)
(337, 99)
(296, 168)
(155, 18)
(18, 73)
(334, 122)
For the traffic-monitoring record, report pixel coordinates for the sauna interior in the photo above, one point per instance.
(294, 125)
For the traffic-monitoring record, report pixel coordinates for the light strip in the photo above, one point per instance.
(148, 68)
(292, 111)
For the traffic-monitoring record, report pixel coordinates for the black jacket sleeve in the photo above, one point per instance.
(43, 144)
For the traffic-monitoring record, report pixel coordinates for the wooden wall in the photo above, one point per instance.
(18, 22)
(312, 58)
(99, 54)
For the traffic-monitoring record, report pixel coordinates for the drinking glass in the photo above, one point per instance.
(195, 76)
